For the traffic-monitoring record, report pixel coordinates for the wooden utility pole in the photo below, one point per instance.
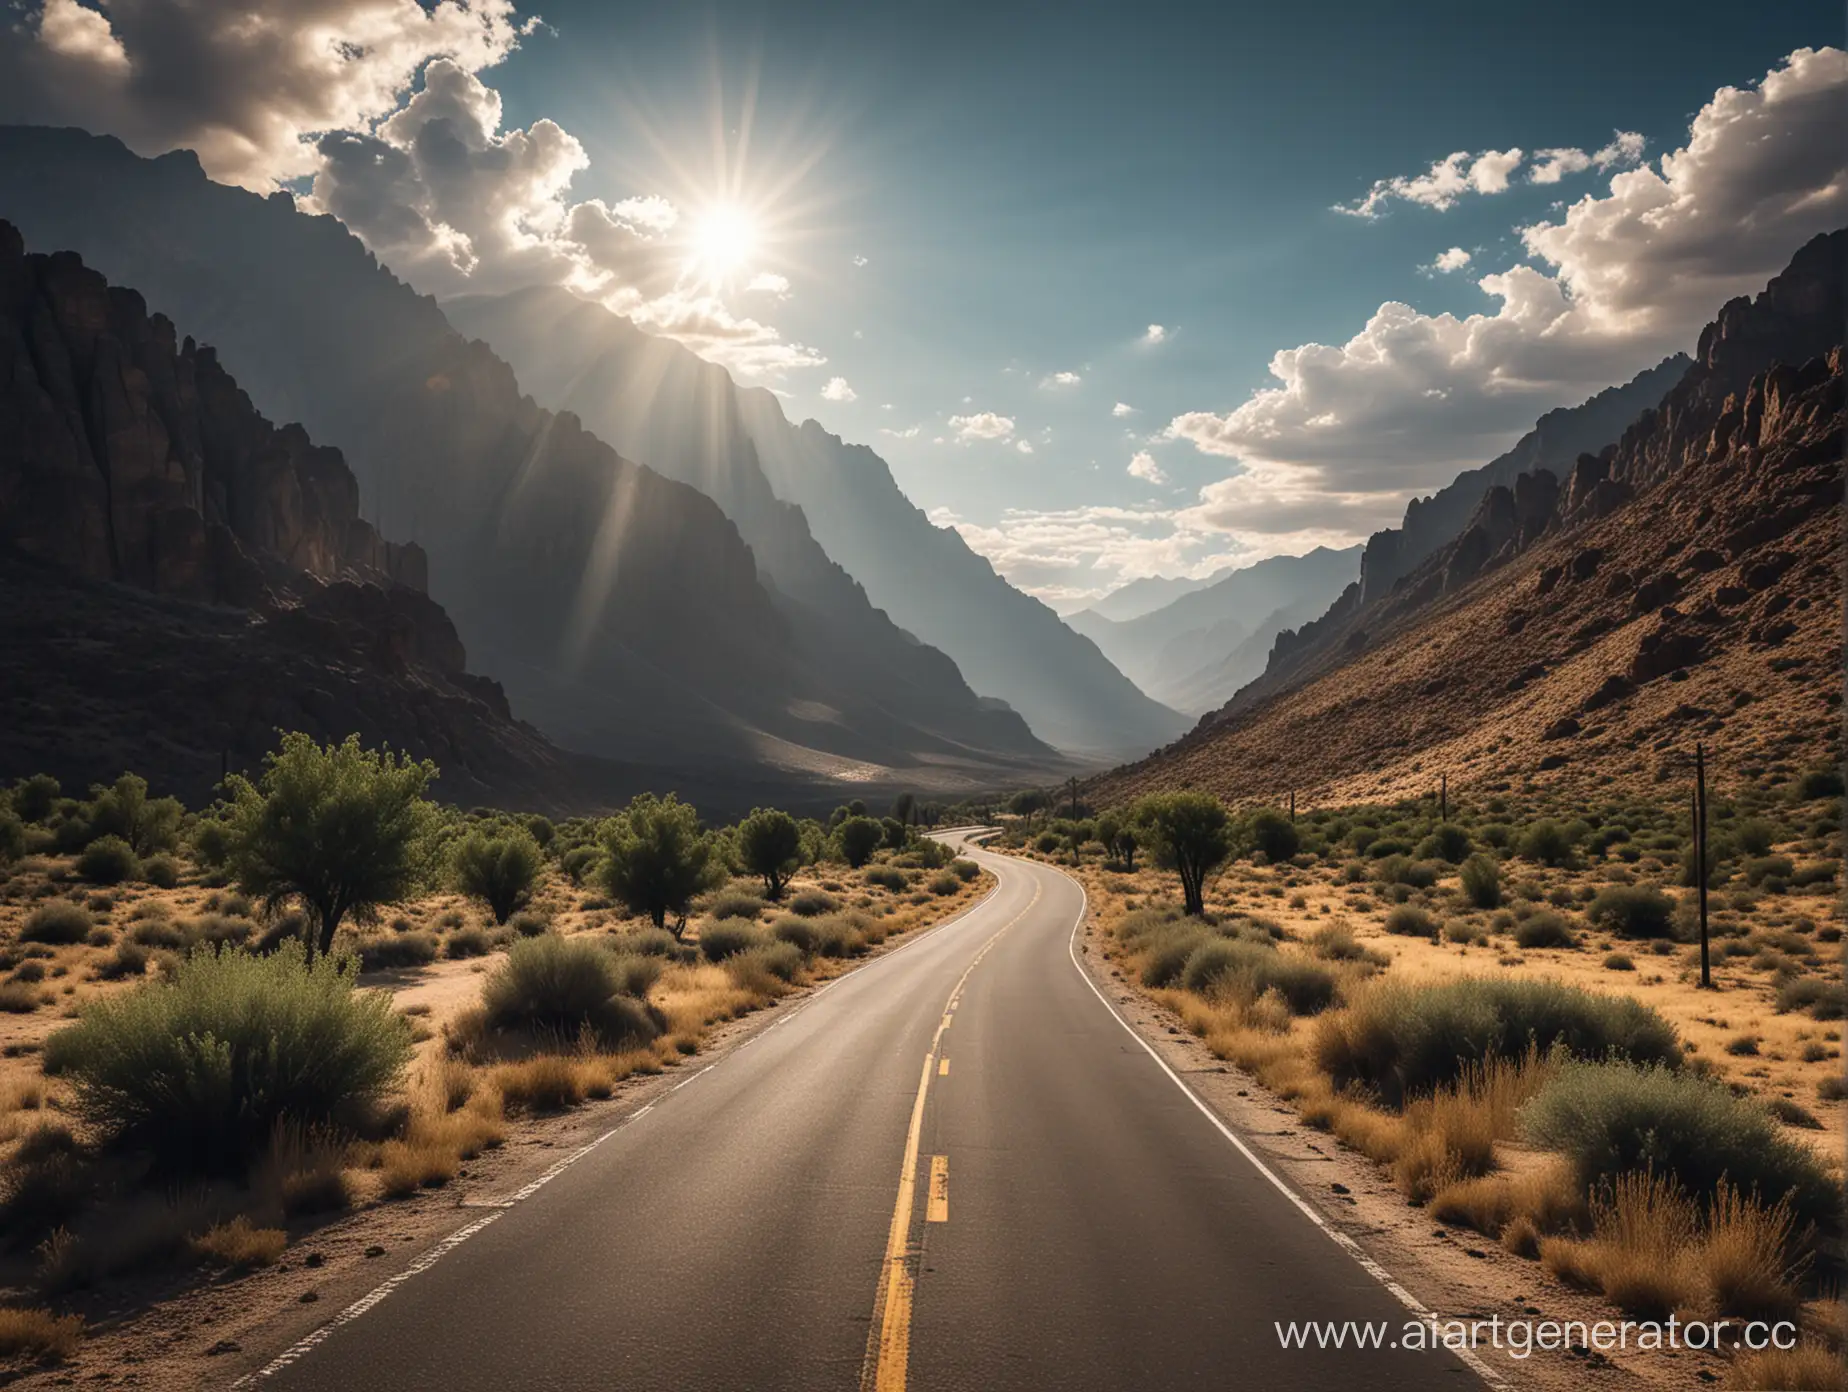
(1443, 797)
(1292, 806)
(1700, 860)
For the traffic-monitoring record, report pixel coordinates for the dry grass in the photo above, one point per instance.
(38, 1335)
(1746, 1257)
(240, 1245)
(1806, 1368)
(1641, 1251)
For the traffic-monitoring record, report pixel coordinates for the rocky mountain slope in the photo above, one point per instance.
(1681, 583)
(182, 578)
(659, 403)
(621, 609)
(1196, 651)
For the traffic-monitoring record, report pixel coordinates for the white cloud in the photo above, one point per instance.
(1142, 465)
(1061, 379)
(1626, 148)
(1550, 166)
(1024, 446)
(275, 91)
(859, 261)
(769, 283)
(1442, 184)
(838, 390)
(1453, 260)
(982, 425)
(1625, 277)
(1155, 333)
(910, 432)
(1121, 409)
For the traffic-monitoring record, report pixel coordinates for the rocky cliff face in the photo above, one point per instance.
(183, 577)
(1683, 581)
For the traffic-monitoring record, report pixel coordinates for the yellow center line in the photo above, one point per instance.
(888, 1342)
(943, 1067)
(938, 1208)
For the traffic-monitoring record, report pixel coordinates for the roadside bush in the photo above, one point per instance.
(396, 951)
(108, 860)
(1633, 911)
(1246, 969)
(1547, 842)
(650, 942)
(1165, 942)
(732, 904)
(56, 923)
(1403, 1040)
(965, 870)
(1544, 929)
(1481, 879)
(1614, 1118)
(200, 1068)
(473, 941)
(1410, 921)
(892, 878)
(765, 968)
(500, 870)
(943, 884)
(565, 987)
(1335, 942)
(636, 973)
(812, 903)
(727, 938)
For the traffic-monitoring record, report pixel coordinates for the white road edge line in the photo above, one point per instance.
(1340, 1239)
(443, 1248)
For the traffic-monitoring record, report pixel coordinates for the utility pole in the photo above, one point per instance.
(1443, 797)
(1071, 786)
(1292, 807)
(1700, 859)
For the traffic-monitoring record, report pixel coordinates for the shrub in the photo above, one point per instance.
(812, 903)
(128, 959)
(1410, 921)
(731, 904)
(468, 942)
(892, 878)
(108, 860)
(637, 973)
(1547, 842)
(1165, 946)
(157, 932)
(1448, 842)
(1633, 911)
(1274, 834)
(1762, 868)
(657, 857)
(240, 1245)
(1481, 879)
(727, 938)
(1249, 970)
(943, 884)
(1544, 929)
(500, 870)
(649, 942)
(527, 924)
(1614, 1118)
(162, 871)
(1754, 835)
(34, 797)
(1619, 961)
(795, 931)
(12, 836)
(395, 951)
(760, 968)
(200, 1068)
(56, 922)
(341, 828)
(1404, 1040)
(218, 930)
(566, 987)
(1335, 942)
(965, 870)
(1824, 1000)
(579, 861)
(38, 1336)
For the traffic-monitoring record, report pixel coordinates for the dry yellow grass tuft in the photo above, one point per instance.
(1746, 1257)
(240, 1245)
(39, 1335)
(1806, 1368)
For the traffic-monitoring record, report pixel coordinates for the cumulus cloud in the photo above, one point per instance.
(1155, 333)
(1453, 260)
(1442, 184)
(1024, 446)
(1550, 166)
(838, 390)
(982, 425)
(1061, 379)
(327, 92)
(1121, 409)
(1623, 278)
(769, 283)
(910, 432)
(1142, 465)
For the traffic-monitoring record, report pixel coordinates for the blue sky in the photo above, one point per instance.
(952, 204)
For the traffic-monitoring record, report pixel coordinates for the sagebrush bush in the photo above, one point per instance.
(1447, 842)
(1247, 970)
(1410, 921)
(944, 884)
(1612, 1118)
(56, 923)
(651, 942)
(395, 951)
(1633, 911)
(812, 903)
(1403, 1040)
(1547, 842)
(1481, 879)
(108, 860)
(891, 877)
(1824, 1000)
(732, 904)
(565, 987)
(1544, 929)
(636, 973)
(468, 942)
(964, 869)
(761, 968)
(728, 937)
(200, 1068)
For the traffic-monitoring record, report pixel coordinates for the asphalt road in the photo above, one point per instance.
(951, 1169)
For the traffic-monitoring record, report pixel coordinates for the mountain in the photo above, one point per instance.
(622, 609)
(1681, 583)
(183, 578)
(1144, 596)
(660, 403)
(1183, 653)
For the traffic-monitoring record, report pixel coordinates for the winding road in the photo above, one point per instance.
(953, 1168)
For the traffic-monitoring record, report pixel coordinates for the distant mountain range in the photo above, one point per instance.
(1195, 651)
(1587, 620)
(622, 609)
(659, 403)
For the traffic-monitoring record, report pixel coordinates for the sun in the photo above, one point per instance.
(724, 238)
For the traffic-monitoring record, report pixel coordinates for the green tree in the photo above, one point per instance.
(905, 808)
(770, 845)
(896, 833)
(34, 797)
(124, 809)
(657, 858)
(858, 838)
(499, 868)
(1271, 832)
(1190, 834)
(342, 829)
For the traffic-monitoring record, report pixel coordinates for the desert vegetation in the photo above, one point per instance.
(223, 1028)
(1497, 999)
